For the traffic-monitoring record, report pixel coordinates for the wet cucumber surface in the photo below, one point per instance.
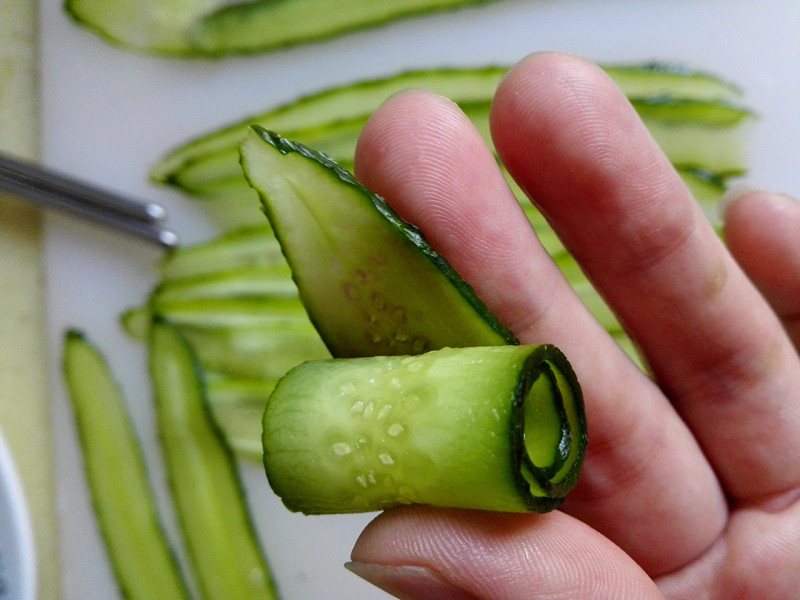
(498, 428)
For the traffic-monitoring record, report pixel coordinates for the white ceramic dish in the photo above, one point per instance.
(107, 115)
(17, 554)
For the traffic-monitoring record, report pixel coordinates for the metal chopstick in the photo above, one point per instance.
(50, 189)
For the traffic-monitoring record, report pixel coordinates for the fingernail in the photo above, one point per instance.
(408, 583)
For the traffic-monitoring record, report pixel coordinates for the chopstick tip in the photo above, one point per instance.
(168, 239)
(155, 211)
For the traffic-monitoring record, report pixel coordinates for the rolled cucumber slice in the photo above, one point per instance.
(497, 428)
(371, 283)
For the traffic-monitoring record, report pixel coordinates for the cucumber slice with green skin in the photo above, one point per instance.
(231, 312)
(238, 407)
(496, 428)
(253, 246)
(273, 281)
(210, 504)
(256, 352)
(241, 348)
(341, 104)
(221, 27)
(388, 294)
(688, 131)
(653, 79)
(246, 28)
(330, 120)
(140, 555)
(670, 109)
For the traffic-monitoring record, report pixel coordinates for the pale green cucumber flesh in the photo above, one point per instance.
(139, 553)
(496, 428)
(391, 293)
(209, 499)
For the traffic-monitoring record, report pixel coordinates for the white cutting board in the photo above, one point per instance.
(109, 115)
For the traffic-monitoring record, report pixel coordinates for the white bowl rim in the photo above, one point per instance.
(22, 548)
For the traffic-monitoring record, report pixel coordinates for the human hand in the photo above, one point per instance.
(691, 484)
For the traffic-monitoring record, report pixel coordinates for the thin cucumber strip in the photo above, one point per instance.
(370, 282)
(252, 337)
(273, 281)
(659, 78)
(333, 105)
(135, 322)
(251, 351)
(138, 550)
(238, 406)
(671, 109)
(213, 28)
(156, 26)
(720, 150)
(199, 164)
(211, 173)
(244, 311)
(208, 171)
(704, 129)
(212, 512)
(497, 428)
(265, 351)
(245, 28)
(251, 246)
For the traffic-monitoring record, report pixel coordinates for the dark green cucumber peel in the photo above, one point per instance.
(139, 552)
(495, 428)
(389, 294)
